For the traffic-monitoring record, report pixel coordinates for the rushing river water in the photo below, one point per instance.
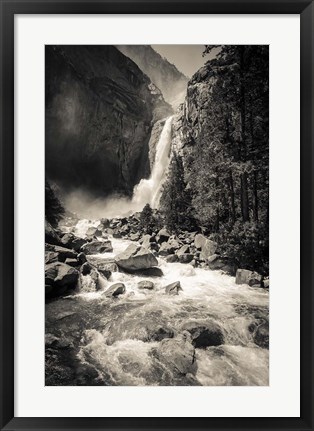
(112, 336)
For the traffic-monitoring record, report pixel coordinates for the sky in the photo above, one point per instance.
(187, 58)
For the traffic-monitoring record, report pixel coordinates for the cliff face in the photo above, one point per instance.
(165, 75)
(193, 113)
(100, 110)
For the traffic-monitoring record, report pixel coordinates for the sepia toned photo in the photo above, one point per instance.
(156, 215)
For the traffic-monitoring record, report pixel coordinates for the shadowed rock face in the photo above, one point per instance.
(100, 109)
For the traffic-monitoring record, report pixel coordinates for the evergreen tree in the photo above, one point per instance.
(147, 219)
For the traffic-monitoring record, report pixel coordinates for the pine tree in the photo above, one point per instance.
(147, 219)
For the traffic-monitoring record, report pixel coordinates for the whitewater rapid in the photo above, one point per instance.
(114, 338)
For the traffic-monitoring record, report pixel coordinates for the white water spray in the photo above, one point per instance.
(149, 190)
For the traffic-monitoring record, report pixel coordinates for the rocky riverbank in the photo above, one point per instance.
(127, 307)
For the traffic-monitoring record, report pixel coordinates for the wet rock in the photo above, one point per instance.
(60, 277)
(58, 343)
(266, 283)
(185, 258)
(115, 290)
(134, 237)
(162, 236)
(261, 335)
(173, 288)
(86, 268)
(204, 334)
(208, 249)
(151, 272)
(95, 247)
(81, 257)
(178, 354)
(172, 258)
(136, 258)
(158, 332)
(252, 278)
(72, 262)
(145, 284)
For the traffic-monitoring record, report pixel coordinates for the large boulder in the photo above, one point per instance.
(245, 276)
(71, 241)
(93, 231)
(96, 247)
(145, 241)
(60, 277)
(204, 334)
(199, 240)
(115, 290)
(162, 236)
(62, 252)
(178, 354)
(173, 288)
(182, 250)
(208, 249)
(222, 263)
(51, 256)
(136, 258)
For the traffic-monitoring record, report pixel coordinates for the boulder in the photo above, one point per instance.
(178, 354)
(115, 290)
(173, 288)
(166, 249)
(134, 237)
(86, 268)
(204, 334)
(151, 272)
(185, 258)
(172, 258)
(136, 258)
(261, 335)
(199, 240)
(93, 231)
(221, 263)
(51, 235)
(245, 276)
(51, 256)
(62, 252)
(71, 241)
(184, 249)
(81, 257)
(145, 284)
(162, 236)
(104, 223)
(145, 241)
(95, 247)
(60, 277)
(72, 262)
(208, 249)
(266, 283)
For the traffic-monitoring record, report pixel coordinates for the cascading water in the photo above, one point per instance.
(149, 190)
(114, 338)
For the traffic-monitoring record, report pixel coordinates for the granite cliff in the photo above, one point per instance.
(100, 111)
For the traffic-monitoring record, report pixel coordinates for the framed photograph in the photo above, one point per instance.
(156, 215)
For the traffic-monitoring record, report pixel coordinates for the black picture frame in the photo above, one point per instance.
(8, 10)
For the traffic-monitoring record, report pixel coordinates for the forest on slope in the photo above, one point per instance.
(219, 174)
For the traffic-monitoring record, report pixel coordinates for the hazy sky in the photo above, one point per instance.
(187, 58)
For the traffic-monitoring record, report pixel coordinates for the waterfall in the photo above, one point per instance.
(149, 190)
